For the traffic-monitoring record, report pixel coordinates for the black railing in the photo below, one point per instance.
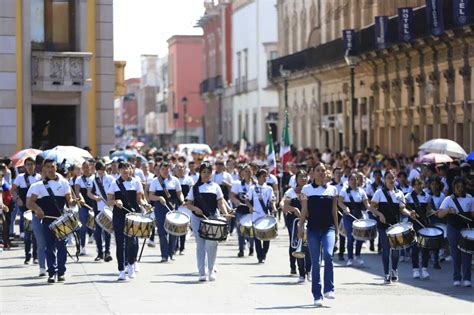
(210, 85)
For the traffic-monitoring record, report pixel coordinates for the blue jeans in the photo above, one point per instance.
(127, 247)
(325, 239)
(40, 241)
(98, 232)
(56, 252)
(167, 242)
(387, 252)
(83, 215)
(461, 261)
(241, 238)
(29, 238)
(350, 239)
(204, 249)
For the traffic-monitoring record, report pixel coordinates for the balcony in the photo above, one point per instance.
(60, 71)
(210, 85)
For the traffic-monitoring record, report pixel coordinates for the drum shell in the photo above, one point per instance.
(342, 229)
(246, 228)
(28, 220)
(402, 240)
(174, 228)
(91, 220)
(213, 232)
(466, 244)
(266, 234)
(364, 233)
(105, 221)
(432, 242)
(134, 228)
(66, 224)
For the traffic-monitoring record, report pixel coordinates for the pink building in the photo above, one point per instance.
(185, 72)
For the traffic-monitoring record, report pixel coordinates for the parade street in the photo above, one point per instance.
(242, 286)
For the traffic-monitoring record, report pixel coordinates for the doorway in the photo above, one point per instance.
(53, 125)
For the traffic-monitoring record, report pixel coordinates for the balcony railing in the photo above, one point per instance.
(60, 71)
(210, 85)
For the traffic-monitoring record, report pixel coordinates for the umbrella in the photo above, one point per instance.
(70, 154)
(444, 146)
(470, 157)
(19, 158)
(125, 154)
(435, 158)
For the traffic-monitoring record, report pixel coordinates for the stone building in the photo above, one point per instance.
(405, 94)
(56, 74)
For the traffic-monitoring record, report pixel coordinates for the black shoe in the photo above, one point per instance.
(251, 252)
(293, 272)
(240, 254)
(260, 261)
(51, 279)
(164, 260)
(61, 278)
(341, 257)
(372, 247)
(436, 266)
(99, 257)
(27, 261)
(107, 257)
(35, 261)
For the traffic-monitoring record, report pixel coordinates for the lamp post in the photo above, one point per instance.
(219, 91)
(352, 60)
(184, 101)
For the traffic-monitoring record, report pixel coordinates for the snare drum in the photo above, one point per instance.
(213, 230)
(246, 226)
(90, 220)
(28, 220)
(466, 242)
(177, 223)
(401, 235)
(104, 220)
(66, 224)
(443, 227)
(430, 238)
(266, 228)
(364, 229)
(342, 229)
(138, 225)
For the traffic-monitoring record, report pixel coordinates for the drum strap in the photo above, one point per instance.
(433, 206)
(51, 195)
(350, 197)
(27, 179)
(260, 200)
(456, 202)
(101, 187)
(162, 183)
(200, 200)
(123, 190)
(389, 200)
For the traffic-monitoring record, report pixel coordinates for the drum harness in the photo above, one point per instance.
(167, 193)
(76, 236)
(123, 191)
(460, 209)
(417, 203)
(389, 201)
(264, 206)
(200, 199)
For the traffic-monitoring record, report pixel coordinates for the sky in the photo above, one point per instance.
(144, 26)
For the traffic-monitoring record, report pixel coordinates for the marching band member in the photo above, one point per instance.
(262, 202)
(20, 188)
(337, 182)
(354, 201)
(47, 199)
(376, 184)
(80, 189)
(192, 171)
(419, 201)
(457, 208)
(98, 192)
(125, 192)
(292, 210)
(387, 204)
(434, 189)
(238, 195)
(186, 183)
(203, 200)
(319, 207)
(165, 191)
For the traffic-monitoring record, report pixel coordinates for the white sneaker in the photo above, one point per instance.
(136, 267)
(83, 251)
(151, 243)
(318, 302)
(212, 276)
(42, 272)
(131, 271)
(448, 258)
(301, 279)
(122, 276)
(466, 283)
(308, 276)
(424, 273)
(202, 278)
(416, 273)
(349, 263)
(329, 295)
(457, 283)
(359, 262)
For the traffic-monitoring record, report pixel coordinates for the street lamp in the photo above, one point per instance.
(285, 74)
(219, 92)
(184, 101)
(352, 60)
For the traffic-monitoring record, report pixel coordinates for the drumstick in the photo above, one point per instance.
(342, 214)
(468, 219)
(50, 217)
(419, 223)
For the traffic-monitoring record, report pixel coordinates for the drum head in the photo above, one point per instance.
(265, 223)
(430, 231)
(138, 218)
(468, 233)
(108, 211)
(215, 222)
(246, 220)
(177, 217)
(366, 223)
(398, 228)
(28, 215)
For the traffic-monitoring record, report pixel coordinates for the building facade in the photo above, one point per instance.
(254, 43)
(148, 90)
(185, 73)
(405, 94)
(56, 74)
(217, 28)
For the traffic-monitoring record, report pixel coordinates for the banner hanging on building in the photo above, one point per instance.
(381, 31)
(405, 25)
(461, 9)
(349, 37)
(434, 14)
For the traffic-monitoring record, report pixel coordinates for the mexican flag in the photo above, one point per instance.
(270, 150)
(285, 147)
(243, 145)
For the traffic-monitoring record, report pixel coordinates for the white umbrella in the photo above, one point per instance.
(444, 146)
(71, 155)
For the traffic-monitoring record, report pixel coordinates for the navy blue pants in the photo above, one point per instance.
(127, 247)
(167, 241)
(56, 252)
(98, 233)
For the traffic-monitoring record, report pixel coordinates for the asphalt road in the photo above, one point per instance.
(242, 286)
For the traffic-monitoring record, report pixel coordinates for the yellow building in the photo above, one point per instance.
(56, 74)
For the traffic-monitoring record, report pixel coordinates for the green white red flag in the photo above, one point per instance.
(270, 150)
(285, 147)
